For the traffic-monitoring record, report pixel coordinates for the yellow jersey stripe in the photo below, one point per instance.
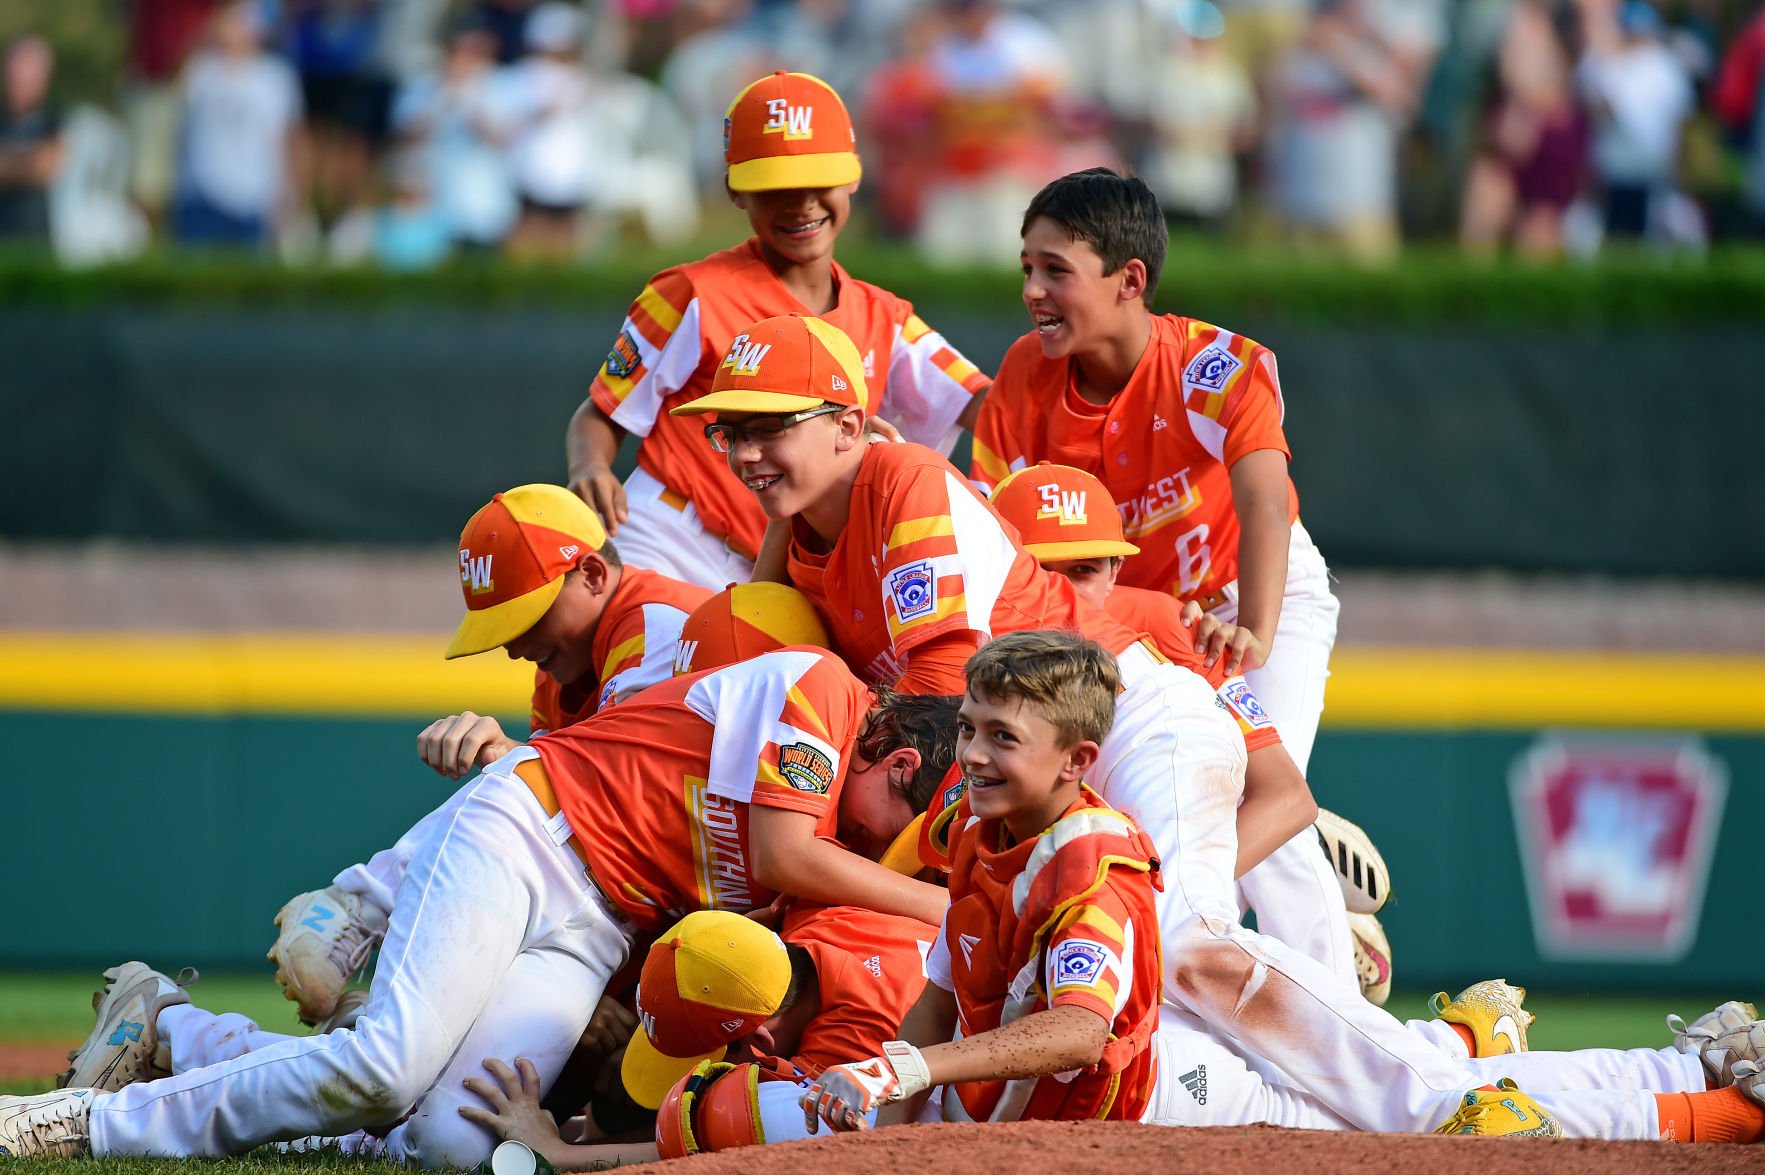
(915, 529)
(661, 312)
(620, 652)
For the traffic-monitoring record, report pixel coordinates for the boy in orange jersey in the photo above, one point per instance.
(788, 143)
(541, 581)
(1044, 986)
(1181, 421)
(912, 571)
(719, 790)
(1067, 520)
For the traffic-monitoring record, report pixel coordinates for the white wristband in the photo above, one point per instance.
(911, 1073)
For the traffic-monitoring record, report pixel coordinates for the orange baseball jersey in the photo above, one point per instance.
(1160, 617)
(634, 647)
(1200, 398)
(1066, 918)
(922, 555)
(657, 789)
(679, 331)
(870, 968)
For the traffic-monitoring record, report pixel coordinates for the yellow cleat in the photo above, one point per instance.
(1502, 1112)
(1492, 1011)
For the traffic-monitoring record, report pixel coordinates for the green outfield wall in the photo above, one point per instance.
(169, 814)
(1439, 444)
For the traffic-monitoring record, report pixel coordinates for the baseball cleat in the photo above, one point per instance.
(1706, 1028)
(325, 937)
(47, 1125)
(1372, 957)
(348, 1010)
(1492, 1011)
(1725, 1057)
(1360, 870)
(124, 1046)
(1501, 1111)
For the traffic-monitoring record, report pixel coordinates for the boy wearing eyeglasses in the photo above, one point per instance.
(788, 143)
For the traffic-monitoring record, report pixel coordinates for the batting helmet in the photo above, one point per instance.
(715, 1107)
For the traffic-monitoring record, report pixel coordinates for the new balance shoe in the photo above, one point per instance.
(1706, 1028)
(124, 1045)
(47, 1125)
(1492, 1011)
(1501, 1111)
(1372, 957)
(325, 937)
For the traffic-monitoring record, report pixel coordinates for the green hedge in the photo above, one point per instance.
(1208, 280)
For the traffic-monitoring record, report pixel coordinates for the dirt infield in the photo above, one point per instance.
(21, 1061)
(1099, 1148)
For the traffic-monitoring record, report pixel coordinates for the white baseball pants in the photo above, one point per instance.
(497, 946)
(1295, 893)
(1205, 1079)
(671, 539)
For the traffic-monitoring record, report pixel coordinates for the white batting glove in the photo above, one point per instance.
(843, 1095)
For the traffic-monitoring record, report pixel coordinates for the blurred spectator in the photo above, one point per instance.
(410, 232)
(720, 51)
(898, 119)
(1260, 33)
(1344, 96)
(240, 162)
(445, 122)
(1534, 151)
(1639, 95)
(335, 47)
(1738, 99)
(162, 35)
(30, 141)
(1202, 115)
(507, 22)
(998, 76)
(550, 132)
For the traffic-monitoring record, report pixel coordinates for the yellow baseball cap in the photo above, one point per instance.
(1061, 513)
(514, 555)
(789, 130)
(713, 978)
(790, 363)
(744, 620)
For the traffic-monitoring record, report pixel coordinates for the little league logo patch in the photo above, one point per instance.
(1617, 836)
(1078, 961)
(806, 768)
(1212, 368)
(1244, 703)
(914, 589)
(624, 358)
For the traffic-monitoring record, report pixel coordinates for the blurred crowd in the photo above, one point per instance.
(405, 132)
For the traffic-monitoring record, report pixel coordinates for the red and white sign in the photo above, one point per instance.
(1616, 838)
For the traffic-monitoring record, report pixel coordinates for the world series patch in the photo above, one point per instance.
(914, 589)
(1078, 962)
(806, 768)
(1212, 368)
(624, 358)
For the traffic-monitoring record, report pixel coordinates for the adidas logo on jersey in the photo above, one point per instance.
(475, 573)
(1195, 1081)
(1158, 422)
(792, 121)
(874, 965)
(744, 357)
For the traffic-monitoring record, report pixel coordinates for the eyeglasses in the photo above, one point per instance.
(724, 436)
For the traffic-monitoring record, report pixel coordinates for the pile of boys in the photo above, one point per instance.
(956, 826)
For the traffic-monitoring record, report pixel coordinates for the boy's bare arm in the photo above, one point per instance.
(1054, 1040)
(1277, 805)
(790, 858)
(772, 564)
(1259, 498)
(591, 444)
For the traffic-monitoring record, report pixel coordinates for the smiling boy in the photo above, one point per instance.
(788, 142)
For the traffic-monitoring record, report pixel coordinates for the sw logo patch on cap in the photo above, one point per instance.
(744, 357)
(806, 768)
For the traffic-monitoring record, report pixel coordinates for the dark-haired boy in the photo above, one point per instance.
(1181, 421)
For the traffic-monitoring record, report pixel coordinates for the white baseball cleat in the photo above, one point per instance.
(1723, 1019)
(1360, 869)
(49, 1125)
(326, 937)
(1372, 957)
(124, 1045)
(1735, 1058)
